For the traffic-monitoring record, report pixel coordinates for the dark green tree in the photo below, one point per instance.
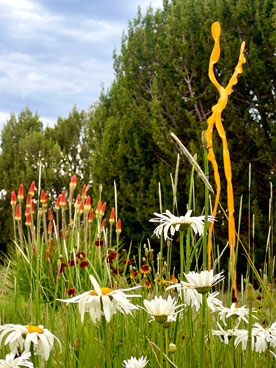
(162, 86)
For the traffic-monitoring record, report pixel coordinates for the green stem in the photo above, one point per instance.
(161, 336)
(202, 336)
(181, 255)
(106, 344)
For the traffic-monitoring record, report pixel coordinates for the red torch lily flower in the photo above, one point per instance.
(20, 195)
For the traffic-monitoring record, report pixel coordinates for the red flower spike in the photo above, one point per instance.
(32, 189)
(50, 215)
(18, 213)
(91, 215)
(119, 227)
(77, 202)
(112, 216)
(102, 210)
(28, 220)
(103, 224)
(57, 206)
(42, 196)
(20, 195)
(51, 244)
(27, 211)
(84, 264)
(45, 200)
(87, 205)
(47, 255)
(99, 204)
(83, 194)
(50, 227)
(63, 199)
(29, 201)
(13, 198)
(73, 183)
(33, 207)
(81, 207)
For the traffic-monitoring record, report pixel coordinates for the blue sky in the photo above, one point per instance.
(55, 54)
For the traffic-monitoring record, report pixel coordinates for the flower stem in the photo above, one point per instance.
(181, 255)
(106, 344)
(161, 336)
(203, 322)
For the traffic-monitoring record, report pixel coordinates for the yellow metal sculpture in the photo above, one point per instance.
(215, 120)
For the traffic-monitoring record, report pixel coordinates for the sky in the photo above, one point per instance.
(55, 54)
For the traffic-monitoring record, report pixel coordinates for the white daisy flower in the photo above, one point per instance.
(204, 280)
(12, 361)
(188, 295)
(135, 363)
(170, 223)
(261, 338)
(103, 302)
(162, 310)
(20, 338)
(213, 302)
(224, 336)
(237, 312)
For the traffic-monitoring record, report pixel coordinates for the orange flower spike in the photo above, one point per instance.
(45, 200)
(87, 205)
(33, 207)
(73, 183)
(28, 201)
(50, 215)
(63, 200)
(112, 216)
(18, 213)
(42, 196)
(102, 209)
(20, 195)
(57, 206)
(27, 211)
(119, 227)
(13, 199)
(83, 194)
(32, 189)
(77, 202)
(91, 215)
(28, 220)
(103, 224)
(50, 227)
(99, 204)
(47, 255)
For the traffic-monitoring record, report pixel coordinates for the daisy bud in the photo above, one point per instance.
(204, 138)
(91, 215)
(13, 199)
(32, 189)
(18, 213)
(87, 205)
(73, 183)
(172, 348)
(119, 227)
(20, 195)
(28, 201)
(100, 188)
(112, 216)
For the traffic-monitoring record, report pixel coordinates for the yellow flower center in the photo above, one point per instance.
(32, 329)
(104, 290)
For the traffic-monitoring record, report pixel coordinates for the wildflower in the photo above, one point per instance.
(147, 283)
(23, 336)
(169, 222)
(145, 269)
(112, 216)
(84, 264)
(13, 199)
(188, 295)
(204, 280)
(91, 215)
(87, 205)
(28, 220)
(63, 201)
(42, 196)
(103, 224)
(80, 255)
(84, 190)
(32, 189)
(135, 363)
(18, 213)
(77, 202)
(28, 201)
(102, 209)
(73, 183)
(161, 309)
(57, 206)
(70, 291)
(102, 302)
(12, 361)
(20, 195)
(213, 302)
(224, 336)
(119, 227)
(72, 262)
(112, 255)
(60, 268)
(99, 243)
(134, 275)
(241, 313)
